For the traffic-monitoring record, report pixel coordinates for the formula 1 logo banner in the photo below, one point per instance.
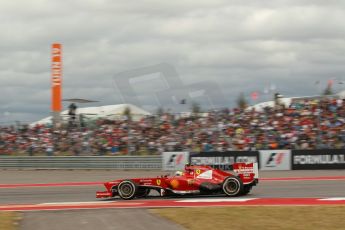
(275, 159)
(224, 160)
(175, 160)
(318, 159)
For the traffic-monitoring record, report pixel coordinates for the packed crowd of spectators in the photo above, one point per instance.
(305, 124)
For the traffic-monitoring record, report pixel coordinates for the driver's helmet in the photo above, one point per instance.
(187, 168)
(178, 173)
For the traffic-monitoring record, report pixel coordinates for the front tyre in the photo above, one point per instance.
(232, 186)
(127, 189)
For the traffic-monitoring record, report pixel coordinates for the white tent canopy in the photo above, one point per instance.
(112, 112)
(287, 101)
(341, 94)
(260, 106)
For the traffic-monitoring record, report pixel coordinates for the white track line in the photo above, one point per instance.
(217, 200)
(77, 203)
(333, 199)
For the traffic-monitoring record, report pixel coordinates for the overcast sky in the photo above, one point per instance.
(229, 46)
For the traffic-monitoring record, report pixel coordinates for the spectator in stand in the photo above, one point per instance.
(305, 124)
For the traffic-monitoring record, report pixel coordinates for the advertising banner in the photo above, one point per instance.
(275, 160)
(318, 159)
(56, 78)
(223, 160)
(174, 160)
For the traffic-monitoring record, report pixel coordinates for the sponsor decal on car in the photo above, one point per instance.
(244, 170)
(146, 181)
(206, 175)
(190, 181)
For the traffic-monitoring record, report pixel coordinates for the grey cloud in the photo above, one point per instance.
(239, 46)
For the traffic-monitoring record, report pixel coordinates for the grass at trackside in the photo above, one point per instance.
(270, 217)
(8, 221)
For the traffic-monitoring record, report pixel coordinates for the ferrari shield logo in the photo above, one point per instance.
(158, 182)
(190, 181)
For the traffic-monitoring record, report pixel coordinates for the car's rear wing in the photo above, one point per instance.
(247, 171)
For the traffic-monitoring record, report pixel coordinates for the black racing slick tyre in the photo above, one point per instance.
(127, 189)
(232, 186)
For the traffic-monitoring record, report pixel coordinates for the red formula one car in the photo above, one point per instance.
(194, 180)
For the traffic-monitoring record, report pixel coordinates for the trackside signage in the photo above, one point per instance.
(318, 159)
(174, 160)
(223, 160)
(275, 159)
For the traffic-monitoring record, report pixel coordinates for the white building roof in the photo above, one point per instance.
(112, 112)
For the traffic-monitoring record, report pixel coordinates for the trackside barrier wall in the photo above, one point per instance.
(174, 160)
(268, 160)
(82, 162)
(271, 160)
(318, 159)
(223, 160)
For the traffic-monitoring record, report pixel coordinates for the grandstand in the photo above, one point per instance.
(303, 123)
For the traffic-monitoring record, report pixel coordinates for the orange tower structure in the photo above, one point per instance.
(56, 82)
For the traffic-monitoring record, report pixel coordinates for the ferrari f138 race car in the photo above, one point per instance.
(193, 180)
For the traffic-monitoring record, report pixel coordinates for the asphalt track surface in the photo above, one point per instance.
(61, 186)
(86, 192)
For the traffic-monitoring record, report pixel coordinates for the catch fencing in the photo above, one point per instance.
(81, 162)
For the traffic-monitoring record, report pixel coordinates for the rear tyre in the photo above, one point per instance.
(127, 189)
(232, 186)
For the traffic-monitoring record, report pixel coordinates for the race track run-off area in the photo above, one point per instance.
(74, 195)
